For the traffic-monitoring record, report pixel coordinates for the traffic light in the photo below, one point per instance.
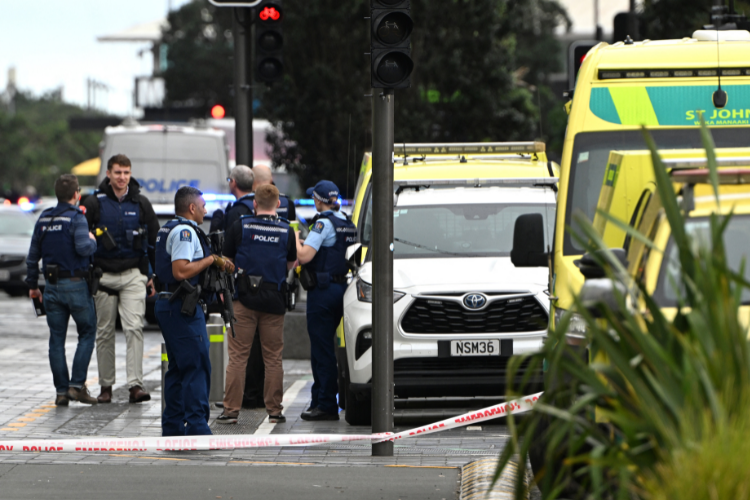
(390, 44)
(576, 54)
(269, 41)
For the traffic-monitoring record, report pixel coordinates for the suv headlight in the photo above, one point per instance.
(364, 292)
(576, 327)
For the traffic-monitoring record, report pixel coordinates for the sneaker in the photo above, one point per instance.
(277, 419)
(61, 400)
(226, 419)
(81, 395)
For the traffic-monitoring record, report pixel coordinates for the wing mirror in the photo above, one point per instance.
(354, 256)
(528, 242)
(590, 264)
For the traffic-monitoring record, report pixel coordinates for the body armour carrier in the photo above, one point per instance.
(332, 260)
(263, 249)
(122, 222)
(164, 260)
(58, 245)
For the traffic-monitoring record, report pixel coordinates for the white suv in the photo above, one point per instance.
(461, 308)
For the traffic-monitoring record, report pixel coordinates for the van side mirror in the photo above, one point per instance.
(589, 263)
(354, 256)
(528, 242)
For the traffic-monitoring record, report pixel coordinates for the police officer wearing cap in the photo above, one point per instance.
(62, 240)
(183, 253)
(323, 256)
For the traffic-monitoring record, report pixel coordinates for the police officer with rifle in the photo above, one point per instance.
(183, 255)
(62, 240)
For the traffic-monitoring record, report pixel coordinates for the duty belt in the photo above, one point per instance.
(75, 274)
(338, 278)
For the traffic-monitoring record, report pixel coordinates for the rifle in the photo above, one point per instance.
(221, 282)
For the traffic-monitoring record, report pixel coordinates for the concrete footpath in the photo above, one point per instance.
(424, 467)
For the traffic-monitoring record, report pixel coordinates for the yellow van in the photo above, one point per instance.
(666, 85)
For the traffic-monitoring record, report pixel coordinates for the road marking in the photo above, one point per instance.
(16, 424)
(269, 463)
(290, 395)
(8, 429)
(423, 466)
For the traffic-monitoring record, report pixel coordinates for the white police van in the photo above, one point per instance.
(166, 157)
(461, 308)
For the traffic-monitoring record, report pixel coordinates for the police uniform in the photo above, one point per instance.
(331, 234)
(188, 379)
(261, 247)
(131, 224)
(61, 239)
(255, 371)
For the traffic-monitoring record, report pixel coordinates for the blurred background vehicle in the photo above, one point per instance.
(16, 228)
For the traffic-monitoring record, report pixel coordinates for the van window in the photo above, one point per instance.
(163, 162)
(591, 153)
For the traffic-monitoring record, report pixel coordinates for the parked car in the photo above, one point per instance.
(16, 228)
(461, 309)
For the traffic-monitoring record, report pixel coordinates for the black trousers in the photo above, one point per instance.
(255, 376)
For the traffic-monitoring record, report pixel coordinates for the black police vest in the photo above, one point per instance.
(121, 220)
(58, 245)
(283, 210)
(263, 249)
(164, 260)
(332, 259)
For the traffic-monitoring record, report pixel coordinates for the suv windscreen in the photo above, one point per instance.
(736, 236)
(470, 230)
(591, 153)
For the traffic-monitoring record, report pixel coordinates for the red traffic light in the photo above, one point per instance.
(270, 13)
(218, 111)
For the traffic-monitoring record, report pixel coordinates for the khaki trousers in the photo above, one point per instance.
(271, 330)
(131, 303)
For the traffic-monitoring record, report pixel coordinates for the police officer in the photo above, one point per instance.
(126, 225)
(243, 183)
(263, 248)
(62, 240)
(324, 276)
(182, 254)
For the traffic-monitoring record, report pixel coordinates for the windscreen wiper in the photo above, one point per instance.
(427, 248)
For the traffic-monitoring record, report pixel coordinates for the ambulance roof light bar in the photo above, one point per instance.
(458, 148)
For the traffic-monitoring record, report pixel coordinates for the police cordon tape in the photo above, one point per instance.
(239, 441)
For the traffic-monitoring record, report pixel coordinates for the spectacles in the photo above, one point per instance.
(229, 179)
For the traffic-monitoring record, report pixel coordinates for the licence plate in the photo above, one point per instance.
(475, 348)
(4, 275)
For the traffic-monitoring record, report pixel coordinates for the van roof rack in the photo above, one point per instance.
(692, 163)
(702, 176)
(473, 148)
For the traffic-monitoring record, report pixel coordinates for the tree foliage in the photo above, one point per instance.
(36, 145)
(481, 70)
(675, 19)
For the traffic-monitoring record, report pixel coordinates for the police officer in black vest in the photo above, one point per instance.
(243, 182)
(323, 256)
(264, 250)
(126, 225)
(183, 253)
(62, 240)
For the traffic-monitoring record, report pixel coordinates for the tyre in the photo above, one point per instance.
(358, 412)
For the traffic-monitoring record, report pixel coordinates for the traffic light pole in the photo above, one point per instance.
(243, 91)
(382, 269)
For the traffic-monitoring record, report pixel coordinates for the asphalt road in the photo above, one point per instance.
(92, 482)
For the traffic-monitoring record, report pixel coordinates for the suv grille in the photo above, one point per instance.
(524, 314)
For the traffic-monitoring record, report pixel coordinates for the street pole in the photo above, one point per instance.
(243, 92)
(382, 269)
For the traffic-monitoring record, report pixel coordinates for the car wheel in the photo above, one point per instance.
(358, 412)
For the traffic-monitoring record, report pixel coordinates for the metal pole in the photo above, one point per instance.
(382, 269)
(242, 91)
